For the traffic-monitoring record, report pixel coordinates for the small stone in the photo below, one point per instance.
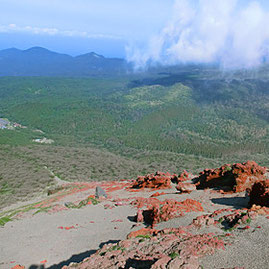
(68, 204)
(99, 192)
(185, 187)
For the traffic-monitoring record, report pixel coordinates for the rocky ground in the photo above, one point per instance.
(219, 219)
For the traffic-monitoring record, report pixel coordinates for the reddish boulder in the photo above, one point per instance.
(155, 181)
(259, 194)
(185, 187)
(158, 211)
(237, 177)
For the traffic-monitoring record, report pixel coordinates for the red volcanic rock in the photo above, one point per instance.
(238, 217)
(156, 181)
(141, 232)
(140, 202)
(140, 217)
(184, 176)
(259, 194)
(185, 187)
(175, 263)
(204, 220)
(158, 194)
(66, 228)
(158, 211)
(220, 211)
(237, 177)
(259, 210)
(161, 263)
(169, 248)
(234, 219)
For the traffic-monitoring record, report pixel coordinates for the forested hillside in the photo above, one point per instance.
(205, 117)
(190, 119)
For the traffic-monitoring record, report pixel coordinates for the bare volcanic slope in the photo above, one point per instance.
(156, 221)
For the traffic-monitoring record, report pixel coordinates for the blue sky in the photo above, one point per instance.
(80, 26)
(232, 32)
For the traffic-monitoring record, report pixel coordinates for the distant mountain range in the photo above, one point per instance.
(38, 61)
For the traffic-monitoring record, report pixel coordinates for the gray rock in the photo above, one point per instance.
(99, 192)
(68, 204)
(37, 267)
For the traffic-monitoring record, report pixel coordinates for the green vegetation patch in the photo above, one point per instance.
(147, 236)
(173, 255)
(5, 189)
(4, 220)
(82, 203)
(43, 209)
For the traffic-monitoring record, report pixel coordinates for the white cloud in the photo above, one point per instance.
(205, 31)
(13, 28)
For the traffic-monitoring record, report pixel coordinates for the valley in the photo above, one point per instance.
(109, 129)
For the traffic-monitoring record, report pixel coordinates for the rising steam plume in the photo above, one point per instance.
(233, 33)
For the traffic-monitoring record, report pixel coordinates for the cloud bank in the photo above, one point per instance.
(233, 33)
(13, 28)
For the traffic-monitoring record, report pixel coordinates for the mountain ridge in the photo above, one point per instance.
(39, 61)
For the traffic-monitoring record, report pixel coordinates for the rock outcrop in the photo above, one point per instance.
(172, 248)
(237, 177)
(155, 181)
(169, 248)
(259, 194)
(157, 211)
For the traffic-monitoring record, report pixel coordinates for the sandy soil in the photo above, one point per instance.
(62, 235)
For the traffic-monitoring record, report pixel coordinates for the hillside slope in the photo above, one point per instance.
(134, 124)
